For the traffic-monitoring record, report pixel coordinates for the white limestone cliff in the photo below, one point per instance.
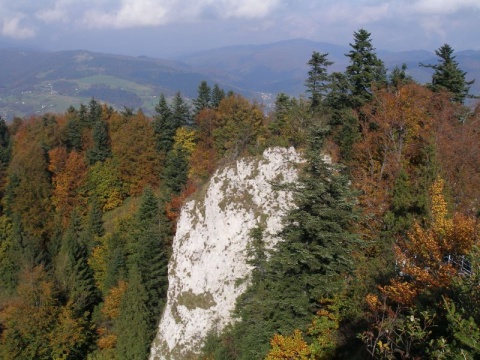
(209, 248)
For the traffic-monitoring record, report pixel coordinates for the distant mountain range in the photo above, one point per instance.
(36, 81)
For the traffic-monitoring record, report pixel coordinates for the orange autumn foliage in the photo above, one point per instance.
(424, 256)
(69, 176)
(395, 127)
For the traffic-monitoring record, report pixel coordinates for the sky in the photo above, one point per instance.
(168, 28)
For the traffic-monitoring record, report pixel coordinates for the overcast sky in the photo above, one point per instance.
(165, 28)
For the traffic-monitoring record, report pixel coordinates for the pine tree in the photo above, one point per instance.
(365, 68)
(317, 82)
(449, 76)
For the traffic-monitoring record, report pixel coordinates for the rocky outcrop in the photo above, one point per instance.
(208, 268)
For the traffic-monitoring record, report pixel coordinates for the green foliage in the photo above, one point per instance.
(101, 143)
(73, 271)
(105, 185)
(290, 121)
(365, 69)
(5, 145)
(312, 262)
(218, 94)
(398, 77)
(175, 171)
(163, 125)
(132, 323)
(204, 98)
(240, 126)
(448, 76)
(317, 81)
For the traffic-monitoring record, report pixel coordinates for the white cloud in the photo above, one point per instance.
(137, 13)
(444, 7)
(131, 13)
(59, 12)
(248, 8)
(12, 28)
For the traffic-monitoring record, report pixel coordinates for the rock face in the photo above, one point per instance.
(209, 248)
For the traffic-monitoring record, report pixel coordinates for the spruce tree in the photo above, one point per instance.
(5, 145)
(74, 272)
(218, 95)
(313, 261)
(101, 143)
(317, 82)
(204, 98)
(149, 254)
(448, 76)
(94, 112)
(131, 325)
(365, 68)
(180, 112)
(162, 125)
(175, 171)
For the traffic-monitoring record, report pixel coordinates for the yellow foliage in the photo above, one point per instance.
(111, 305)
(289, 347)
(185, 139)
(424, 256)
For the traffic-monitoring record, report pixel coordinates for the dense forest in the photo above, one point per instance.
(379, 258)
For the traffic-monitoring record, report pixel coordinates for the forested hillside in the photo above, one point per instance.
(379, 257)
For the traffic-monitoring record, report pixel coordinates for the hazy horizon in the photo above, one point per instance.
(168, 28)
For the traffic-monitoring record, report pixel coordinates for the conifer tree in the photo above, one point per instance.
(449, 76)
(73, 271)
(131, 325)
(180, 112)
(317, 81)
(204, 98)
(218, 95)
(101, 150)
(175, 171)
(5, 145)
(313, 261)
(164, 126)
(94, 112)
(365, 68)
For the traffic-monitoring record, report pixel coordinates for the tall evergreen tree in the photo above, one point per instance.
(5, 144)
(151, 256)
(73, 271)
(204, 97)
(218, 94)
(94, 112)
(132, 323)
(365, 68)
(448, 76)
(101, 150)
(313, 261)
(317, 81)
(73, 132)
(180, 112)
